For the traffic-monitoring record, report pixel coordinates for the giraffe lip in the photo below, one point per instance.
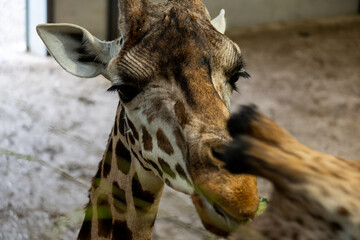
(229, 218)
(214, 217)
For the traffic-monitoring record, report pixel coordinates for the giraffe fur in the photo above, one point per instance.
(315, 194)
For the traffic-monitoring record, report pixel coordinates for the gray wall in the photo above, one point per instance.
(90, 14)
(240, 13)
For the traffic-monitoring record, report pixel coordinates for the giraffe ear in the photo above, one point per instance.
(76, 50)
(219, 22)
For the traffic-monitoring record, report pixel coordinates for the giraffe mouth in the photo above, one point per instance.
(215, 218)
(230, 220)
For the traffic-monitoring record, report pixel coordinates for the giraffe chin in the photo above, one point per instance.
(214, 218)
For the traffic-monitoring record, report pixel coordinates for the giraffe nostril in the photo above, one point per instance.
(218, 153)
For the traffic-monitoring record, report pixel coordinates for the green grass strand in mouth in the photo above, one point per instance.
(263, 204)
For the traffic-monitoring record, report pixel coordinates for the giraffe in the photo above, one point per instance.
(315, 195)
(174, 71)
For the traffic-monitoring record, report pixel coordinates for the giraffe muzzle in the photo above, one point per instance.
(215, 218)
(222, 200)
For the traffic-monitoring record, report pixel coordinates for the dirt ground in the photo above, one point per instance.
(305, 76)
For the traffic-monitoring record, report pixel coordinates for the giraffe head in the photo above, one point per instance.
(313, 196)
(174, 71)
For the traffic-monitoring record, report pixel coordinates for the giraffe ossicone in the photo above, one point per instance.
(174, 71)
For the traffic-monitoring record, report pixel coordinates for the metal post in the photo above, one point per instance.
(27, 19)
(112, 19)
(50, 11)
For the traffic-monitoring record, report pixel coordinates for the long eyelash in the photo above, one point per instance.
(233, 80)
(244, 74)
(113, 88)
(235, 88)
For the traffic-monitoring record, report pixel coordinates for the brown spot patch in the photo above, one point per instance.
(163, 142)
(336, 227)
(119, 198)
(133, 130)
(343, 211)
(132, 140)
(154, 165)
(123, 158)
(180, 142)
(182, 173)
(147, 140)
(166, 168)
(115, 126)
(85, 231)
(300, 221)
(168, 183)
(295, 236)
(122, 123)
(97, 178)
(143, 199)
(121, 231)
(181, 114)
(104, 216)
(317, 217)
(107, 159)
(137, 157)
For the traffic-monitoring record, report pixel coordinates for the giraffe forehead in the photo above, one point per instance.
(177, 40)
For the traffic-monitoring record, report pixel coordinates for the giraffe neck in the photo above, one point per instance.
(124, 195)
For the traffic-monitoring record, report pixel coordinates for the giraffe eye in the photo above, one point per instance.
(126, 92)
(234, 78)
